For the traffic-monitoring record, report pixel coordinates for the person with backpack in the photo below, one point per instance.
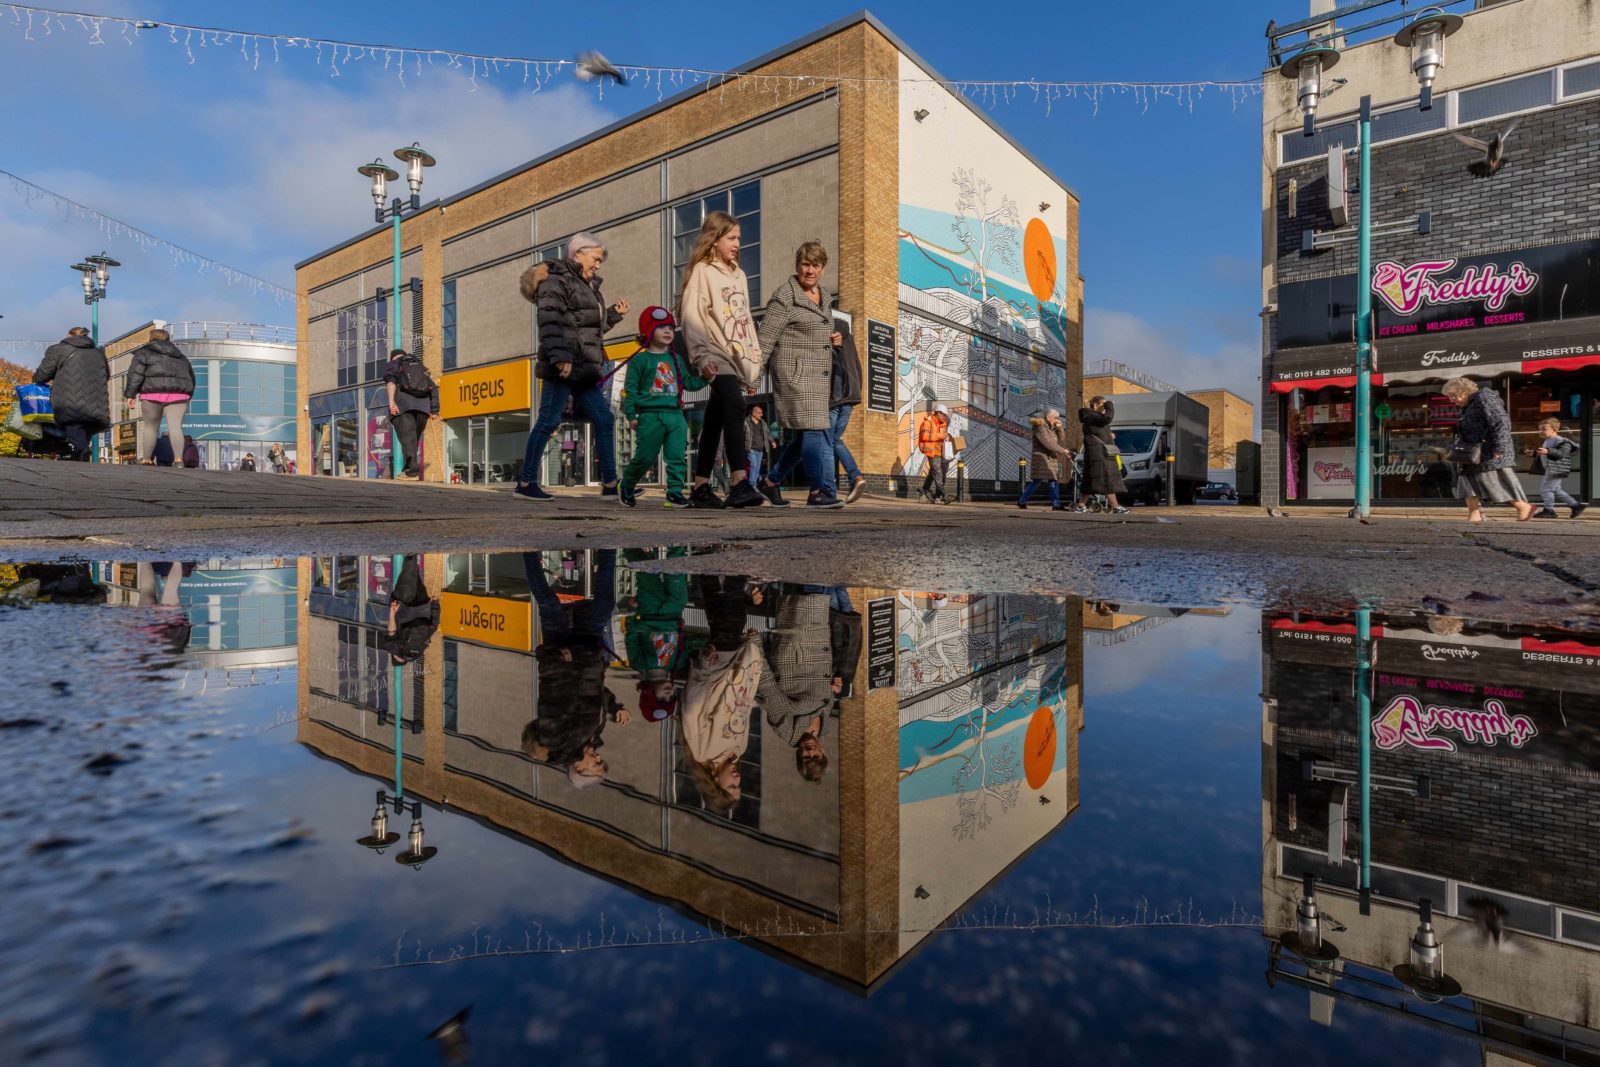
(652, 402)
(413, 400)
(75, 370)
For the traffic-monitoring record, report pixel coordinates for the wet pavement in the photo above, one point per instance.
(585, 806)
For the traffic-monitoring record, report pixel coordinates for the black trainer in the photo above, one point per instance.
(1579, 509)
(609, 490)
(628, 496)
(821, 499)
(532, 492)
(704, 496)
(773, 494)
(744, 495)
(1546, 513)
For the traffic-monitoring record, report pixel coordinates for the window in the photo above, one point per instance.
(1297, 146)
(345, 346)
(199, 404)
(447, 340)
(743, 202)
(1392, 125)
(1576, 81)
(375, 334)
(551, 251)
(1503, 98)
(362, 342)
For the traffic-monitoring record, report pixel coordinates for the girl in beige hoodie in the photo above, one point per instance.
(714, 309)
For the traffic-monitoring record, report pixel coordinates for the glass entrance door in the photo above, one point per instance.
(478, 450)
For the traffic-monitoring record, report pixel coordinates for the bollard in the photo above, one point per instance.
(961, 478)
(1172, 484)
(1022, 476)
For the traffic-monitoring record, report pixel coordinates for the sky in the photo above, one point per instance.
(252, 164)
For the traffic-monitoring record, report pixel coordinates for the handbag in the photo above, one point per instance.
(1112, 450)
(1465, 453)
(35, 404)
(958, 442)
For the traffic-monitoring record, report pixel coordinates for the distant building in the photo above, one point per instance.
(1233, 418)
(244, 397)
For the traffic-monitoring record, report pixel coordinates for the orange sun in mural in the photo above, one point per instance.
(1039, 255)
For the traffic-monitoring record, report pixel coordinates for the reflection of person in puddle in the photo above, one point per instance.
(413, 614)
(574, 704)
(658, 647)
(721, 694)
(801, 686)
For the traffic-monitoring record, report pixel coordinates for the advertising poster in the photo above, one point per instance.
(1330, 473)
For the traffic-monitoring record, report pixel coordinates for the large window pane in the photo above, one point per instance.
(1518, 94)
(747, 198)
(686, 219)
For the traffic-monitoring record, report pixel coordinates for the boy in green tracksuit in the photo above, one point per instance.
(652, 402)
(659, 647)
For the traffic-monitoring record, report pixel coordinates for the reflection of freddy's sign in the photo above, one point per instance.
(1407, 721)
(1407, 288)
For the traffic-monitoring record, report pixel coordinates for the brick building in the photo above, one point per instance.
(1523, 242)
(873, 858)
(873, 157)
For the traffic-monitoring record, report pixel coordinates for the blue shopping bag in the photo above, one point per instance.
(34, 403)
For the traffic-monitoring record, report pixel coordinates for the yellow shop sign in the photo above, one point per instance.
(486, 390)
(488, 620)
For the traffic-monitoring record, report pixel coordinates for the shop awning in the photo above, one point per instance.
(1481, 353)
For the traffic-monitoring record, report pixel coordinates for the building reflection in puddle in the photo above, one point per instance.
(1482, 823)
(833, 772)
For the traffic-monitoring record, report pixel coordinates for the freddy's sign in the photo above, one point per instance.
(1407, 289)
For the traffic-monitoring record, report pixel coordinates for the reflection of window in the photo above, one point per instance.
(448, 328)
(693, 791)
(452, 685)
(743, 202)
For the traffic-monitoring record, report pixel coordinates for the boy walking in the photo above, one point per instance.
(652, 402)
(1553, 460)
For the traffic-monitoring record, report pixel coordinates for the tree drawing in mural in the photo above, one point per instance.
(989, 235)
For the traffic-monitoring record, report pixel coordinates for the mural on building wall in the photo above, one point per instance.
(983, 273)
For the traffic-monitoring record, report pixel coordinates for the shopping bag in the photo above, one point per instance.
(26, 430)
(34, 402)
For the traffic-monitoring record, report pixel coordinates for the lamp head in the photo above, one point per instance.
(381, 174)
(87, 271)
(415, 159)
(1425, 39)
(1305, 69)
(102, 267)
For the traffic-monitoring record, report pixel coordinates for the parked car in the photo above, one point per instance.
(1217, 491)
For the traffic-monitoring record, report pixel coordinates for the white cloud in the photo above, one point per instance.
(1182, 357)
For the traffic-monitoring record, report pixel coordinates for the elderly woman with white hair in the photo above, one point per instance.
(1050, 458)
(573, 320)
(1484, 453)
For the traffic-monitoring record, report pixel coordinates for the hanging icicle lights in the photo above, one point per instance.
(536, 74)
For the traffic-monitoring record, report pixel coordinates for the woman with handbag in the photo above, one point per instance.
(1484, 453)
(1101, 474)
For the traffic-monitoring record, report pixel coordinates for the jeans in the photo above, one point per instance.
(838, 419)
(755, 465)
(814, 448)
(1550, 489)
(593, 404)
(933, 483)
(150, 411)
(585, 621)
(1055, 491)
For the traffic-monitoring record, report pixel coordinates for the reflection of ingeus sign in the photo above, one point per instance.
(488, 620)
(1408, 721)
(1039, 748)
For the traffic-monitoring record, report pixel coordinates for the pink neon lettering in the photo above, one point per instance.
(1406, 288)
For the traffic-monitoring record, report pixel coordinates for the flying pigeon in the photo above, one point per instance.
(451, 1036)
(1494, 152)
(1488, 929)
(591, 66)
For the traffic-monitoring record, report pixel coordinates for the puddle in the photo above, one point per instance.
(552, 804)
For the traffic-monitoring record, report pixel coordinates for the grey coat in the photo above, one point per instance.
(797, 685)
(1049, 450)
(1485, 421)
(797, 336)
(76, 372)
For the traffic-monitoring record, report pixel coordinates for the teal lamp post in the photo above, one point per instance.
(96, 272)
(415, 159)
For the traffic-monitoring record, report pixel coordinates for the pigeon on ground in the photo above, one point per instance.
(1488, 929)
(592, 66)
(1277, 513)
(1494, 152)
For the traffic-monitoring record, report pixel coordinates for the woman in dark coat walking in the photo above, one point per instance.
(573, 320)
(1101, 475)
(1050, 457)
(162, 381)
(1486, 423)
(75, 370)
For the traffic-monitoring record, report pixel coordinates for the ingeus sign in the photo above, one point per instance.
(1407, 289)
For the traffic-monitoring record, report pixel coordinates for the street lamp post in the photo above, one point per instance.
(381, 174)
(1424, 37)
(96, 272)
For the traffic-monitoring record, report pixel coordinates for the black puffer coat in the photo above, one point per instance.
(75, 371)
(1100, 471)
(846, 372)
(1484, 421)
(573, 320)
(159, 367)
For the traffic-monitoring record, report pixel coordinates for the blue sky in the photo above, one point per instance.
(254, 167)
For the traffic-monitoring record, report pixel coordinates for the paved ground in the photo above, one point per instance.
(1548, 570)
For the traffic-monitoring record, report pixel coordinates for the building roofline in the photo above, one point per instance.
(835, 27)
(1219, 389)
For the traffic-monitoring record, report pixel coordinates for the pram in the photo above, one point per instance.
(51, 444)
(1080, 500)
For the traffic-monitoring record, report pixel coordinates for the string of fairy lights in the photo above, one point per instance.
(533, 74)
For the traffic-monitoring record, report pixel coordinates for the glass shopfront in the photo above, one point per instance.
(1414, 427)
(487, 413)
(336, 434)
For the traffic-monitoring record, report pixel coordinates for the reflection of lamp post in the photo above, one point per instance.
(1424, 975)
(416, 853)
(381, 174)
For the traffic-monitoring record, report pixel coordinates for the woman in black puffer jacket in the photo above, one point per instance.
(162, 381)
(573, 320)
